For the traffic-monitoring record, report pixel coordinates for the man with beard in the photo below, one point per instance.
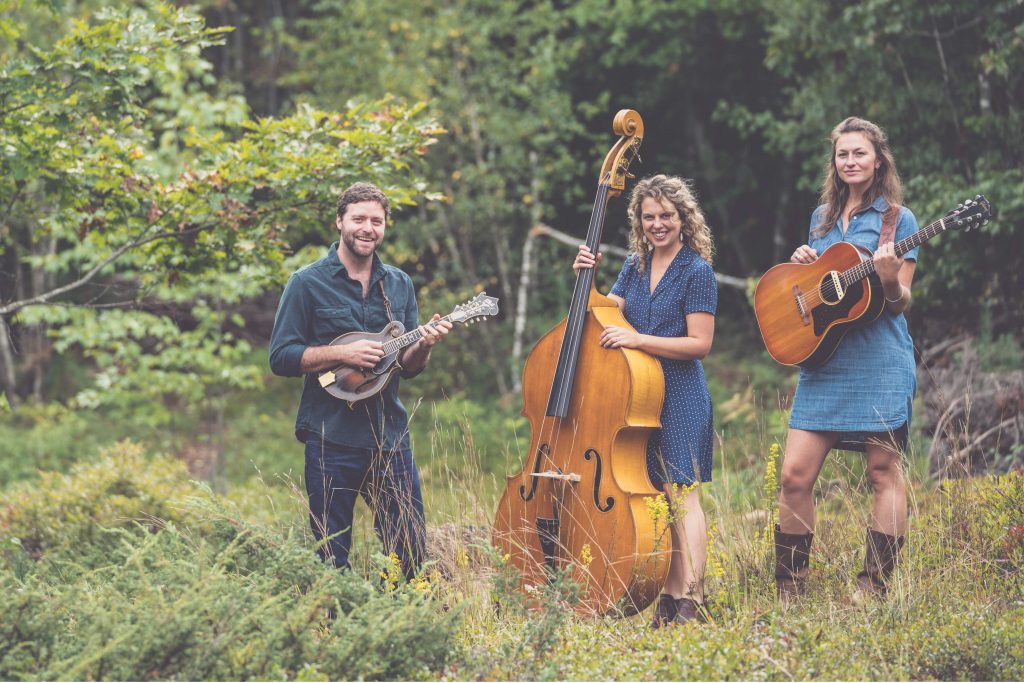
(359, 449)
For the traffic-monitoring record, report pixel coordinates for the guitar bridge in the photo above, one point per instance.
(801, 307)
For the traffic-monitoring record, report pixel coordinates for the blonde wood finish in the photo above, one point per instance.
(616, 403)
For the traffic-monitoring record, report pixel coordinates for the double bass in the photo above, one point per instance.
(580, 504)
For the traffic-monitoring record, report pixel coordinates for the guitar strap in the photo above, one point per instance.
(885, 235)
(889, 220)
(387, 301)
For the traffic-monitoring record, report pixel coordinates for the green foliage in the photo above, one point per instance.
(936, 77)
(63, 512)
(119, 172)
(125, 571)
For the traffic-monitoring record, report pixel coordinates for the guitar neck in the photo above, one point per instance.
(409, 338)
(865, 268)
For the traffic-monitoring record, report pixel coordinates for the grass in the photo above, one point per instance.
(955, 610)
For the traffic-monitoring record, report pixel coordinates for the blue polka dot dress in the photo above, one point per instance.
(680, 452)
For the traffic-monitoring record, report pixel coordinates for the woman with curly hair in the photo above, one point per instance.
(860, 399)
(667, 292)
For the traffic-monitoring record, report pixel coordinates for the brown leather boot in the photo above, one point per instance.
(664, 611)
(688, 609)
(792, 560)
(881, 554)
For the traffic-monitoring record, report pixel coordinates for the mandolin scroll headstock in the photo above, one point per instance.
(615, 169)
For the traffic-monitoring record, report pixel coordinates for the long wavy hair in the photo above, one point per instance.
(834, 191)
(677, 191)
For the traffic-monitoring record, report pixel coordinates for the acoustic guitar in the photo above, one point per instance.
(354, 384)
(804, 310)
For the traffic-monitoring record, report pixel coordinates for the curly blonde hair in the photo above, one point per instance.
(677, 191)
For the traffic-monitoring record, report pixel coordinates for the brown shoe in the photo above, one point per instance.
(881, 554)
(792, 561)
(688, 609)
(664, 611)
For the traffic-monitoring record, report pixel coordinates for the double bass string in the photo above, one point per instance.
(565, 376)
(578, 312)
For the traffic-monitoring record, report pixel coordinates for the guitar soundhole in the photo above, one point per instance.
(827, 290)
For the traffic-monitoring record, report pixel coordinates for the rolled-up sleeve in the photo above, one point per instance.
(291, 330)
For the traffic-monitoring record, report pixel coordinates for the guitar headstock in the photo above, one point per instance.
(971, 214)
(479, 307)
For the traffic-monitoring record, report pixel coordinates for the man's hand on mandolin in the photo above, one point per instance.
(434, 331)
(804, 254)
(365, 353)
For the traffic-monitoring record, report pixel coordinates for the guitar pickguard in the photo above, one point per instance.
(824, 314)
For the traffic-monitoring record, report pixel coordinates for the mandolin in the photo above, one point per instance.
(805, 310)
(354, 384)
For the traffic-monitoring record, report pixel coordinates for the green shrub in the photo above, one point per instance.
(208, 597)
(62, 512)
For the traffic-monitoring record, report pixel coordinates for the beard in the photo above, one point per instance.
(357, 247)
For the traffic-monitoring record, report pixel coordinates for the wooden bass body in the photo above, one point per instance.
(574, 507)
(804, 310)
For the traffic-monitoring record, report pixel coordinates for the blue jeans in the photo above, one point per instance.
(389, 483)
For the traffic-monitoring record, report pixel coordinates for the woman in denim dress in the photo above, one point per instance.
(861, 397)
(668, 293)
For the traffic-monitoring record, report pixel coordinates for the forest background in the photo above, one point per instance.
(163, 168)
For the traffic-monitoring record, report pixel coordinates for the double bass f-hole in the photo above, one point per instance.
(543, 451)
(609, 503)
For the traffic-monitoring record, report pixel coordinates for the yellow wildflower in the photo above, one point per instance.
(585, 556)
(392, 572)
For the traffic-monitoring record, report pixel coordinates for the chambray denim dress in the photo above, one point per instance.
(679, 452)
(869, 382)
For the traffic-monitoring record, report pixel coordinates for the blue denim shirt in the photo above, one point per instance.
(319, 303)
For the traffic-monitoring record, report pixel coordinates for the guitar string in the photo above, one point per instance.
(865, 268)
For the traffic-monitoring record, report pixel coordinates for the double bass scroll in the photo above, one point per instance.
(580, 502)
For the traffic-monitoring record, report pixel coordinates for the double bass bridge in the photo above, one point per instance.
(570, 478)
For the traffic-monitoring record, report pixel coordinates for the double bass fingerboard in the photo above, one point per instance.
(565, 372)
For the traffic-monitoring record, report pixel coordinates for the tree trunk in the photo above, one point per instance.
(7, 376)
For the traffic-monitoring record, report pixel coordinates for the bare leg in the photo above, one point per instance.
(689, 547)
(805, 455)
(885, 471)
